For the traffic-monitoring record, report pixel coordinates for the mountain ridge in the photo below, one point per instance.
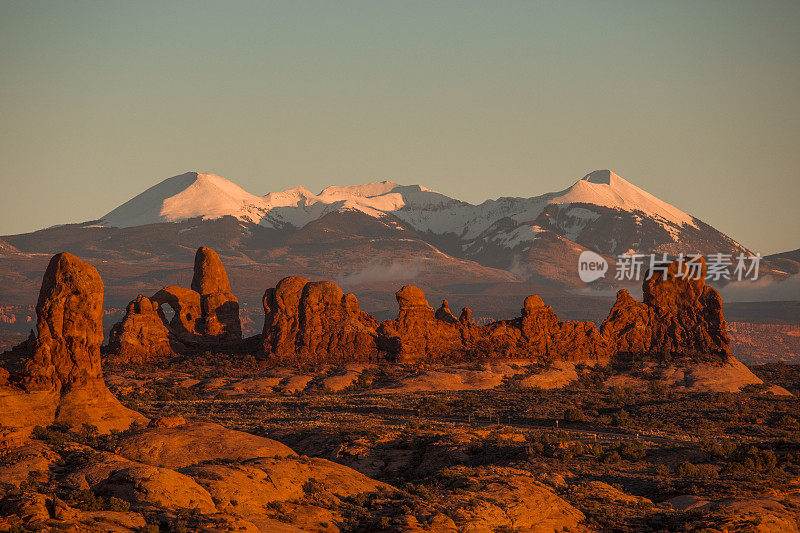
(600, 187)
(370, 235)
(588, 202)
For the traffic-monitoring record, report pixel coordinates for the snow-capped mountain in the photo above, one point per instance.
(372, 238)
(208, 196)
(187, 196)
(601, 211)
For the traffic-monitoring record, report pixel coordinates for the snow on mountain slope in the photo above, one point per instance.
(297, 197)
(601, 211)
(297, 207)
(335, 193)
(604, 188)
(187, 196)
(601, 188)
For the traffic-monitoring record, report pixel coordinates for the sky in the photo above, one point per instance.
(695, 102)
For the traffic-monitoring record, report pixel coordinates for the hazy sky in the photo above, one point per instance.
(697, 102)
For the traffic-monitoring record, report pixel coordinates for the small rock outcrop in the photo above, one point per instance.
(444, 314)
(316, 322)
(59, 378)
(419, 333)
(205, 316)
(679, 313)
(142, 336)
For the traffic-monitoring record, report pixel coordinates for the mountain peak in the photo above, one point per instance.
(606, 189)
(209, 196)
(602, 177)
(184, 196)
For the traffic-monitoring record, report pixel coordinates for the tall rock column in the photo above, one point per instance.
(219, 308)
(61, 379)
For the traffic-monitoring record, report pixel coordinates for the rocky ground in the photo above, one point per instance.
(500, 446)
(652, 438)
(765, 343)
(522, 453)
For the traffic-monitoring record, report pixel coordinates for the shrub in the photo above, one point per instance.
(621, 418)
(718, 450)
(431, 406)
(80, 458)
(631, 451)
(421, 491)
(574, 415)
(665, 486)
(753, 460)
(612, 458)
(312, 487)
(365, 379)
(115, 504)
(85, 500)
(657, 388)
(787, 422)
(687, 469)
(87, 434)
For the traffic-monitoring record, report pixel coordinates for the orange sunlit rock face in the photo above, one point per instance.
(205, 316)
(316, 322)
(312, 322)
(58, 375)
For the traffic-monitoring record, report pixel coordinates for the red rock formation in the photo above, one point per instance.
(628, 325)
(205, 317)
(186, 321)
(306, 321)
(219, 308)
(316, 322)
(142, 335)
(443, 313)
(679, 314)
(419, 333)
(70, 314)
(60, 379)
